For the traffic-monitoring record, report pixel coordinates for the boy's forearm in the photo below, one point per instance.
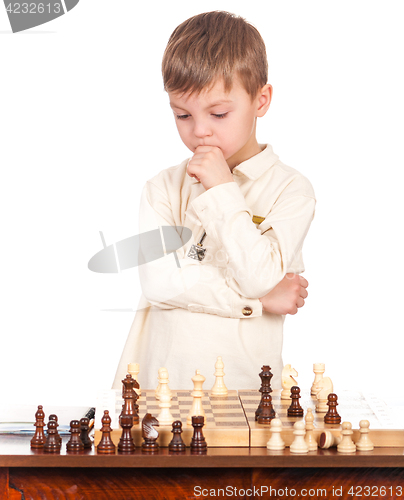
(195, 287)
(257, 258)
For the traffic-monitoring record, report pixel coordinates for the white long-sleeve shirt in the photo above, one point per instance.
(189, 315)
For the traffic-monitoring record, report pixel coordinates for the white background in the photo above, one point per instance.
(84, 122)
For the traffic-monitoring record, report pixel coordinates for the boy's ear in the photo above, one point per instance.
(264, 99)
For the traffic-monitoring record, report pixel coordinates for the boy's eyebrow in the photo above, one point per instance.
(210, 105)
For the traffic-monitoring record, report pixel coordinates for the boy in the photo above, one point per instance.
(249, 212)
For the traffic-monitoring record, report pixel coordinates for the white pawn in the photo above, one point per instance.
(133, 369)
(276, 442)
(197, 394)
(318, 369)
(162, 372)
(310, 440)
(364, 443)
(328, 440)
(299, 445)
(219, 388)
(346, 444)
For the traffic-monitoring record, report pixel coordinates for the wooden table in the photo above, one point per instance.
(221, 473)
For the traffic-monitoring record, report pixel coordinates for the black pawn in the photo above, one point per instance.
(295, 410)
(75, 444)
(267, 410)
(55, 418)
(84, 429)
(177, 444)
(332, 416)
(52, 444)
(126, 444)
(198, 443)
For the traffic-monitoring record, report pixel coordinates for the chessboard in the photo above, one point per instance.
(230, 420)
(225, 421)
(352, 407)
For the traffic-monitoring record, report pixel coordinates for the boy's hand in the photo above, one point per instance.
(287, 296)
(209, 167)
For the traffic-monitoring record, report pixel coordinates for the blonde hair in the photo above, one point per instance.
(213, 46)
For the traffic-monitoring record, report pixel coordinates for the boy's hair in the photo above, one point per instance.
(211, 46)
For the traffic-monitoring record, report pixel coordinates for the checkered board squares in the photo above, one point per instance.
(352, 407)
(225, 421)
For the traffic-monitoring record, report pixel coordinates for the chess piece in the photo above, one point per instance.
(177, 444)
(106, 445)
(319, 369)
(165, 417)
(75, 444)
(197, 394)
(126, 444)
(130, 397)
(346, 445)
(198, 442)
(288, 381)
(325, 388)
(39, 438)
(332, 416)
(55, 418)
(299, 445)
(149, 433)
(265, 388)
(364, 443)
(267, 411)
(157, 391)
(295, 410)
(276, 442)
(219, 388)
(52, 443)
(329, 440)
(310, 439)
(84, 430)
(133, 369)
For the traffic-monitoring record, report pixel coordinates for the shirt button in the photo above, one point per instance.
(247, 311)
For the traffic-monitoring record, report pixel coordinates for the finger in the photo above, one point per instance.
(203, 149)
(293, 311)
(193, 171)
(303, 281)
(196, 159)
(300, 302)
(303, 293)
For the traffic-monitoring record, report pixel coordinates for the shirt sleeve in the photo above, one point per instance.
(177, 281)
(257, 257)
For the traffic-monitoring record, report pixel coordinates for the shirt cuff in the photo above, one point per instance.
(243, 309)
(222, 198)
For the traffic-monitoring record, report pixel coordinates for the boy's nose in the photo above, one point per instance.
(201, 130)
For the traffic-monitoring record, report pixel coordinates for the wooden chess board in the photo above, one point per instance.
(225, 421)
(352, 407)
(230, 420)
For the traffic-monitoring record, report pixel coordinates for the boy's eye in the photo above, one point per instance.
(220, 115)
(182, 117)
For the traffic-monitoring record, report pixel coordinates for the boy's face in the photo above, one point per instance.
(226, 120)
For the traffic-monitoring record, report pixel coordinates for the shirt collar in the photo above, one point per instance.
(255, 166)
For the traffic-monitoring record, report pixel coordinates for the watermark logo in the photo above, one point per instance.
(26, 15)
(139, 249)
